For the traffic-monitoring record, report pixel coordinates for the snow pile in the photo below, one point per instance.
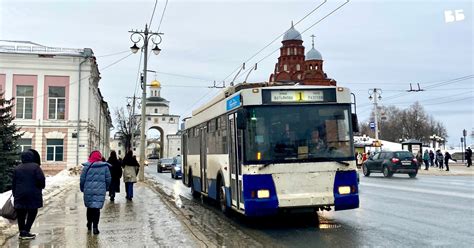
(54, 185)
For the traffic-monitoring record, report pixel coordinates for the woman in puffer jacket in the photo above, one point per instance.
(95, 180)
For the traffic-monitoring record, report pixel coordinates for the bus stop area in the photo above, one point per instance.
(147, 221)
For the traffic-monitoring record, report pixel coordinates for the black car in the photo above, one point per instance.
(165, 164)
(390, 162)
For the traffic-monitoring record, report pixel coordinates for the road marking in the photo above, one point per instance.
(435, 192)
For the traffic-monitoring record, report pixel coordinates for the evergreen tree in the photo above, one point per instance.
(9, 136)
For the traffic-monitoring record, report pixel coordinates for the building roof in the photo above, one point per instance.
(313, 54)
(28, 47)
(156, 99)
(157, 104)
(292, 34)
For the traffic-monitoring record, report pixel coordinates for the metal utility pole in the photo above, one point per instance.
(131, 121)
(375, 94)
(136, 37)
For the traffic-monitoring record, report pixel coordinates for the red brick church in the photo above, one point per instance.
(294, 66)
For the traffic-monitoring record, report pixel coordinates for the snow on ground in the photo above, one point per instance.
(54, 185)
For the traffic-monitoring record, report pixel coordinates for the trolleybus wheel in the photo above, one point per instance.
(222, 199)
(194, 193)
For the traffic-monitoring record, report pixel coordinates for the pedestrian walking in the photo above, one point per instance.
(419, 159)
(27, 186)
(469, 156)
(130, 172)
(359, 159)
(95, 180)
(426, 159)
(439, 159)
(432, 157)
(116, 173)
(447, 157)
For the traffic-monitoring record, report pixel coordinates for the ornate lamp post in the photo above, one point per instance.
(147, 36)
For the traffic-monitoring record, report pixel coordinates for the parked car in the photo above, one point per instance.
(390, 162)
(165, 164)
(176, 169)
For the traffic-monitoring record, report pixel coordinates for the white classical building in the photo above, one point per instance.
(158, 117)
(58, 104)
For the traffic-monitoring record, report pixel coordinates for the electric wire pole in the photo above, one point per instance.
(376, 92)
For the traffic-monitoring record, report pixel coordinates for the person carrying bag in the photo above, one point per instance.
(8, 211)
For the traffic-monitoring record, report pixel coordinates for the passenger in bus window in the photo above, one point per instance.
(317, 145)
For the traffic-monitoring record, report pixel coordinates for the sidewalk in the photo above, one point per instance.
(144, 222)
(455, 169)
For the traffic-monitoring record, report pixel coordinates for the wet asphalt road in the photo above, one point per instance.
(143, 222)
(428, 211)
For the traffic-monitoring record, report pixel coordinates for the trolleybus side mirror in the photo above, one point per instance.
(242, 118)
(355, 123)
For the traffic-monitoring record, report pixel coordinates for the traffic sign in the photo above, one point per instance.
(372, 125)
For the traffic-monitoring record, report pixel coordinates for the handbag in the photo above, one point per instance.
(8, 211)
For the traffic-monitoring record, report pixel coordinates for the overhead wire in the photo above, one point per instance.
(112, 54)
(153, 14)
(317, 22)
(275, 39)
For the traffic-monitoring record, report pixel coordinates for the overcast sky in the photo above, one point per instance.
(365, 44)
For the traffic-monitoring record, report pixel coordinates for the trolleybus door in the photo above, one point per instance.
(203, 159)
(235, 162)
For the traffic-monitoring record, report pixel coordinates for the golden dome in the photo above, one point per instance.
(155, 84)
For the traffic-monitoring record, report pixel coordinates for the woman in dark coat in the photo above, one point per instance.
(116, 172)
(28, 183)
(95, 180)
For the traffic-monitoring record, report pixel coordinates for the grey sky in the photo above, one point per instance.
(366, 44)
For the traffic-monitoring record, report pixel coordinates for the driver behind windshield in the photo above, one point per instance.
(317, 146)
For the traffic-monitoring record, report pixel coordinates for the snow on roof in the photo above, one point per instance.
(28, 47)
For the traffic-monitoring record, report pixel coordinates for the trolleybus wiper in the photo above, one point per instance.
(338, 161)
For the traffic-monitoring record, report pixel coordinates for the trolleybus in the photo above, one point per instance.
(259, 149)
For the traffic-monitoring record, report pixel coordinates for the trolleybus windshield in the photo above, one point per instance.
(298, 133)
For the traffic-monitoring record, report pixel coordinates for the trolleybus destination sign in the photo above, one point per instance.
(297, 96)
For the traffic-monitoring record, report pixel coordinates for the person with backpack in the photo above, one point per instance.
(439, 159)
(27, 185)
(95, 180)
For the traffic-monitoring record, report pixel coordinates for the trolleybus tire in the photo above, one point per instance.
(194, 193)
(222, 199)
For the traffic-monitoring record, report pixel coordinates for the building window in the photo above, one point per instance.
(171, 120)
(54, 149)
(288, 51)
(24, 144)
(163, 119)
(310, 67)
(155, 120)
(294, 49)
(285, 67)
(119, 144)
(24, 102)
(298, 67)
(149, 118)
(156, 111)
(316, 67)
(119, 152)
(57, 103)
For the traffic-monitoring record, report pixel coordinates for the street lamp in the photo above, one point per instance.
(147, 36)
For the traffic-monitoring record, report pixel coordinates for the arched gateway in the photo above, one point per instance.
(159, 118)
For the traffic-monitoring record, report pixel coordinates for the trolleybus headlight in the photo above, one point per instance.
(263, 193)
(344, 190)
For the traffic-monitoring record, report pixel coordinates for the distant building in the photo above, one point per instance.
(294, 66)
(158, 117)
(58, 103)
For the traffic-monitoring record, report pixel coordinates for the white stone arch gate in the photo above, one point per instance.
(161, 142)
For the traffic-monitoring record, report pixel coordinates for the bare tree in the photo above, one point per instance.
(410, 123)
(126, 126)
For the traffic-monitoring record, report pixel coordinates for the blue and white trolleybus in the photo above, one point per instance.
(260, 148)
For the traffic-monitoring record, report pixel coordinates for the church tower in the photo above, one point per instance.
(290, 66)
(313, 71)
